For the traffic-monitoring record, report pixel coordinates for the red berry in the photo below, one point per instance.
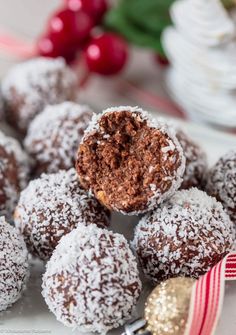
(161, 60)
(48, 47)
(106, 54)
(69, 27)
(94, 8)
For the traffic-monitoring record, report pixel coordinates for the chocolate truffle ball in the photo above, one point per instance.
(14, 170)
(186, 236)
(92, 282)
(32, 85)
(196, 162)
(14, 268)
(1, 106)
(50, 207)
(54, 135)
(221, 182)
(130, 161)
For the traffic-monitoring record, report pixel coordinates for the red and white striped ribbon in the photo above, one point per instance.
(207, 297)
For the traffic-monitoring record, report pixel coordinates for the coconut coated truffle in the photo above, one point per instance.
(54, 135)
(130, 161)
(91, 282)
(50, 207)
(14, 171)
(14, 267)
(186, 236)
(196, 162)
(32, 85)
(221, 182)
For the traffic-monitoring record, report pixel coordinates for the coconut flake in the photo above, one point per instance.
(54, 135)
(38, 82)
(194, 226)
(14, 267)
(101, 273)
(53, 205)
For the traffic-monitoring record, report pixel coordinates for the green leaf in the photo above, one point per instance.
(140, 22)
(152, 15)
(228, 3)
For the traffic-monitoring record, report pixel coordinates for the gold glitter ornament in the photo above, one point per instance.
(167, 307)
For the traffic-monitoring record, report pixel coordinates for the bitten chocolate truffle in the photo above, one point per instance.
(221, 182)
(14, 268)
(14, 171)
(186, 236)
(51, 206)
(34, 84)
(130, 161)
(91, 282)
(196, 162)
(54, 135)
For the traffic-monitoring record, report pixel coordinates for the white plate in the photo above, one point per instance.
(31, 316)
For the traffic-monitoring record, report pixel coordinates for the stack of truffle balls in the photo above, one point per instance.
(73, 169)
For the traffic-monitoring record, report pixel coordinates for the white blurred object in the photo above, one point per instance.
(202, 50)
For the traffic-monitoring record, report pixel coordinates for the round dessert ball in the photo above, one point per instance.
(130, 161)
(51, 206)
(186, 236)
(14, 267)
(221, 182)
(32, 85)
(101, 273)
(14, 171)
(196, 162)
(54, 135)
(1, 106)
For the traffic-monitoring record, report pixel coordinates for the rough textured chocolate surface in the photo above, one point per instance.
(14, 171)
(91, 282)
(186, 236)
(196, 162)
(130, 161)
(221, 182)
(14, 267)
(54, 135)
(32, 85)
(51, 206)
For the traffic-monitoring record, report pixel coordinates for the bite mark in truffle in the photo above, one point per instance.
(130, 161)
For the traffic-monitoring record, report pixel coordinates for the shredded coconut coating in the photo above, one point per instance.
(221, 182)
(1, 106)
(33, 84)
(92, 282)
(14, 173)
(50, 207)
(54, 135)
(154, 123)
(14, 267)
(186, 236)
(196, 162)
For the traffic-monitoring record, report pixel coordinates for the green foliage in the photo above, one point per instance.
(228, 3)
(140, 21)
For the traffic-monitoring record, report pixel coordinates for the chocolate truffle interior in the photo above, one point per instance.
(125, 161)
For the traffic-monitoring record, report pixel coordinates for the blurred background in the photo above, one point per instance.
(173, 57)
